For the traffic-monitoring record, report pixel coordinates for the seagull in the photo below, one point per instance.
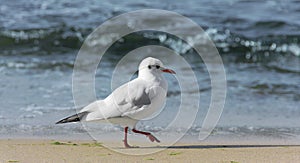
(133, 101)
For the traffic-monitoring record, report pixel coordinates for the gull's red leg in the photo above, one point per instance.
(149, 135)
(125, 138)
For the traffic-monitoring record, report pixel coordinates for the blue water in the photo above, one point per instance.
(259, 42)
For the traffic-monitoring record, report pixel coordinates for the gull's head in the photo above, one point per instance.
(153, 66)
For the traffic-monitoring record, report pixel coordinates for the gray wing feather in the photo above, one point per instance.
(143, 99)
(133, 93)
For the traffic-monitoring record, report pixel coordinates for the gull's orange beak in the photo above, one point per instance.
(168, 71)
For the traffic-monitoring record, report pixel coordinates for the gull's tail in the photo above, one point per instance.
(73, 118)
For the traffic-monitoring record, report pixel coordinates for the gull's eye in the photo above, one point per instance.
(149, 67)
(157, 66)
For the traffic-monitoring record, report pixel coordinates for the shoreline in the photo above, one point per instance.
(50, 150)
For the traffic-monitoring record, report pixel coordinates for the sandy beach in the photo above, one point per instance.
(57, 57)
(88, 151)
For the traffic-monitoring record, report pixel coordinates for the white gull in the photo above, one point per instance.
(133, 101)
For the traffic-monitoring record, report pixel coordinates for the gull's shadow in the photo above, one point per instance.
(219, 146)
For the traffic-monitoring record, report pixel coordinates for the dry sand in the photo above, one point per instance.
(30, 151)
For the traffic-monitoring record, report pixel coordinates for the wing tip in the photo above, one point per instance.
(73, 118)
(61, 121)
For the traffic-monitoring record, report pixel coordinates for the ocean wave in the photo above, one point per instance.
(292, 70)
(40, 130)
(278, 132)
(275, 89)
(47, 41)
(40, 41)
(254, 50)
(40, 65)
(42, 109)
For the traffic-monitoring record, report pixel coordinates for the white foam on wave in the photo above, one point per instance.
(294, 49)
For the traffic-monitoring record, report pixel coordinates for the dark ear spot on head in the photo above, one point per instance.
(149, 67)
